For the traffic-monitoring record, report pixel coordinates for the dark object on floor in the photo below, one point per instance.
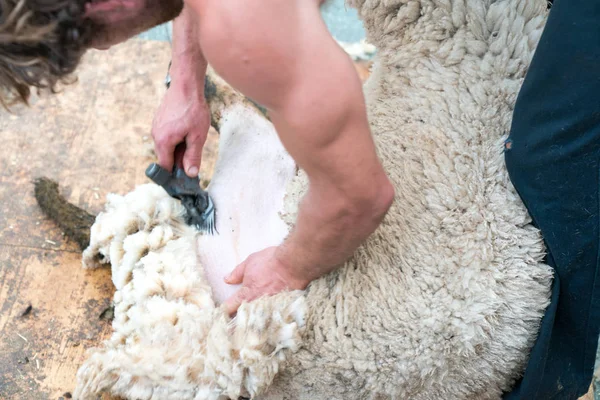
(27, 311)
(72, 220)
(108, 314)
(67, 395)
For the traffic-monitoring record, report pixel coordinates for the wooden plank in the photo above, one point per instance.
(93, 138)
(41, 351)
(589, 395)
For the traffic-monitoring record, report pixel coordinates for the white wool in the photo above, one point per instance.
(170, 341)
(443, 301)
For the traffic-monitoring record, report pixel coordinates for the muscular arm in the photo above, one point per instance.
(280, 53)
(183, 115)
(187, 59)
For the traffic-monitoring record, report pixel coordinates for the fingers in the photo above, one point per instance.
(235, 301)
(165, 155)
(236, 276)
(180, 120)
(164, 146)
(178, 155)
(258, 276)
(193, 154)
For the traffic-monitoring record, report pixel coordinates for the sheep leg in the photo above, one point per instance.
(247, 187)
(220, 96)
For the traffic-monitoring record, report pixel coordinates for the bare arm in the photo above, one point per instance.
(183, 116)
(280, 53)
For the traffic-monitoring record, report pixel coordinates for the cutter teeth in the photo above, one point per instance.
(207, 227)
(208, 224)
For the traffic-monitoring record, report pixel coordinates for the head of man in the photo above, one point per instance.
(42, 41)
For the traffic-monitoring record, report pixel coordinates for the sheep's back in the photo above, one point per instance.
(445, 299)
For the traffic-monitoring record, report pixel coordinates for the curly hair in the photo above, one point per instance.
(41, 44)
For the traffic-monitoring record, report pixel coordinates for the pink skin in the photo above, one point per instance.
(183, 115)
(118, 20)
(279, 53)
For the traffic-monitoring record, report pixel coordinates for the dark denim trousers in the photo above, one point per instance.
(554, 163)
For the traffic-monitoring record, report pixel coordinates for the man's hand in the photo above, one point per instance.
(183, 117)
(262, 273)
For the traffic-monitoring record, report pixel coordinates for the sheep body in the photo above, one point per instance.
(443, 301)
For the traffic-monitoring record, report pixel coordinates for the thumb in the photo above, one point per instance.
(236, 276)
(193, 153)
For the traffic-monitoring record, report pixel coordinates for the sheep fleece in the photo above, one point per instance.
(445, 299)
(442, 302)
(170, 341)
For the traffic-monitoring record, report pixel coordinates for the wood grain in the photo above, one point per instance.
(93, 138)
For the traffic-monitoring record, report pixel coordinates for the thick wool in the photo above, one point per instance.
(443, 301)
(170, 341)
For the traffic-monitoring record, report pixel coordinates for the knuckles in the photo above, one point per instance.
(161, 140)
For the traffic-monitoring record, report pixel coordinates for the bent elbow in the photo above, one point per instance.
(384, 198)
(370, 208)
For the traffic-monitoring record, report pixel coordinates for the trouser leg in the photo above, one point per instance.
(553, 162)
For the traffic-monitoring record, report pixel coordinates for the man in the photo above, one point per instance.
(278, 61)
(279, 53)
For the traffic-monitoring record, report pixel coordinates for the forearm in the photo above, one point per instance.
(188, 65)
(349, 192)
(323, 124)
(183, 116)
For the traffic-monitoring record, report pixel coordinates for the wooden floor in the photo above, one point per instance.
(93, 138)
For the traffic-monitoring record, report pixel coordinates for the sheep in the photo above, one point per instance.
(443, 301)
